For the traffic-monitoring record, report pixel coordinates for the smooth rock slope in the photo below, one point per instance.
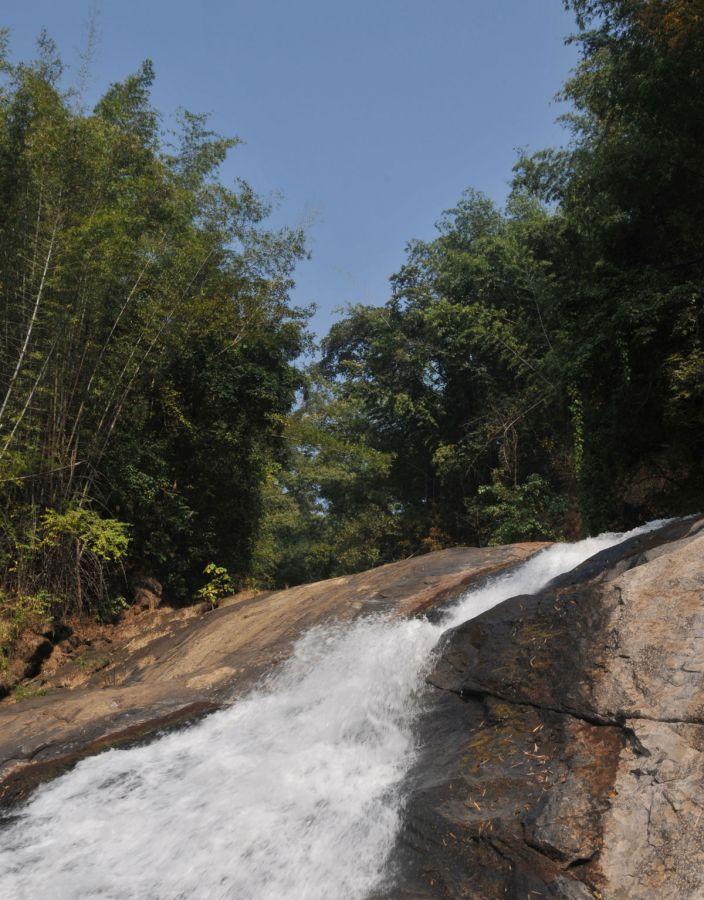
(173, 666)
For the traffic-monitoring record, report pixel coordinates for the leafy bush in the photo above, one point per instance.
(86, 532)
(530, 511)
(218, 585)
(80, 551)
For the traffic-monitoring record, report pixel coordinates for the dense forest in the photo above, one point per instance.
(537, 371)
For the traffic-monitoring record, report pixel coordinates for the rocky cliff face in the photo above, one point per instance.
(564, 738)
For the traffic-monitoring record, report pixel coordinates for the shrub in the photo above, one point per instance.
(81, 551)
(528, 511)
(218, 586)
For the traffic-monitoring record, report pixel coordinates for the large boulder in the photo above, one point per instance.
(563, 741)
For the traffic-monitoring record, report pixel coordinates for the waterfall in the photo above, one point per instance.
(294, 791)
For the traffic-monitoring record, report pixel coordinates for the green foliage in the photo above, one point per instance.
(529, 511)
(538, 369)
(79, 551)
(451, 376)
(327, 509)
(147, 343)
(107, 539)
(218, 585)
(111, 608)
(27, 690)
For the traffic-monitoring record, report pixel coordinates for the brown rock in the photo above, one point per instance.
(29, 652)
(168, 666)
(564, 751)
(148, 592)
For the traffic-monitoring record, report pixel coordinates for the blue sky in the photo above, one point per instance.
(370, 116)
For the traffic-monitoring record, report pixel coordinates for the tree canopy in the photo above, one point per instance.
(147, 344)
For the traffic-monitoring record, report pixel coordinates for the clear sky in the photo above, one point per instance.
(370, 116)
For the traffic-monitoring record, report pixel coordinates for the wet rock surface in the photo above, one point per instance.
(164, 667)
(563, 740)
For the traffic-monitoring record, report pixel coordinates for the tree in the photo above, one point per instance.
(329, 510)
(547, 358)
(629, 196)
(453, 373)
(146, 342)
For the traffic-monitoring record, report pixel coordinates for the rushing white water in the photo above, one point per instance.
(292, 792)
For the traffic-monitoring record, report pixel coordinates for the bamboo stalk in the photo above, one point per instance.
(30, 327)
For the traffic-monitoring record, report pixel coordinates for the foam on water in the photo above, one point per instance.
(294, 791)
